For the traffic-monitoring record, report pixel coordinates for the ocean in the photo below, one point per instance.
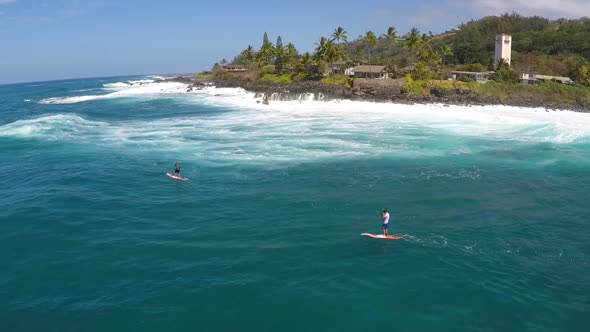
(492, 203)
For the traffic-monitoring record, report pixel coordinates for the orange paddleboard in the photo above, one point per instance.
(382, 237)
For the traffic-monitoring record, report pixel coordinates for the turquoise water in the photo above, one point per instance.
(492, 203)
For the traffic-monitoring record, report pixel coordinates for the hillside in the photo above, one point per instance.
(539, 44)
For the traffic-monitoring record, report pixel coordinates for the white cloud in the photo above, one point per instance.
(6, 1)
(546, 8)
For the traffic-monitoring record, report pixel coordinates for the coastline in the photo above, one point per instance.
(374, 91)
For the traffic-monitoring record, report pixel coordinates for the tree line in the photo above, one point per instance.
(560, 47)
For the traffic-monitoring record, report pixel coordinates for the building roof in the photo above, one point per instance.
(407, 68)
(549, 77)
(469, 72)
(368, 69)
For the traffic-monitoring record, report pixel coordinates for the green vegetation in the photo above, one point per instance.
(269, 69)
(205, 75)
(503, 73)
(558, 48)
(531, 35)
(567, 94)
(284, 78)
(546, 93)
(341, 80)
(413, 87)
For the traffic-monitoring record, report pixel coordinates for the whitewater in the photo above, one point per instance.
(491, 201)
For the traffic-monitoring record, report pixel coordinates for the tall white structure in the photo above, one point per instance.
(503, 48)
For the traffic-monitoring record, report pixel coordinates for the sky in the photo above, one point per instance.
(60, 39)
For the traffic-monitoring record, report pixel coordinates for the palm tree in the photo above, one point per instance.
(327, 51)
(445, 52)
(425, 38)
(391, 38)
(267, 51)
(334, 53)
(259, 59)
(413, 39)
(371, 40)
(307, 63)
(322, 48)
(391, 35)
(339, 35)
(247, 55)
(291, 56)
(427, 58)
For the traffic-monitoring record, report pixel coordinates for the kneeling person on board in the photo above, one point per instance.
(385, 216)
(177, 169)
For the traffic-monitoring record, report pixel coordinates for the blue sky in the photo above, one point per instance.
(57, 39)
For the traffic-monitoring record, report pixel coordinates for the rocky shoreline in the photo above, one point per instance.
(373, 91)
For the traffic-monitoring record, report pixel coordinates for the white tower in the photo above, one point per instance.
(503, 48)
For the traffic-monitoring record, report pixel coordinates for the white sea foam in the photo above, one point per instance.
(248, 131)
(54, 127)
(142, 89)
(489, 122)
(141, 82)
(127, 84)
(117, 85)
(273, 137)
(69, 100)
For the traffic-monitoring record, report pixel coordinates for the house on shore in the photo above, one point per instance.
(234, 68)
(405, 70)
(336, 68)
(536, 79)
(479, 77)
(369, 71)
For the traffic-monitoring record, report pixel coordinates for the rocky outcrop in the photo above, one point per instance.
(288, 91)
(377, 90)
(182, 79)
(373, 90)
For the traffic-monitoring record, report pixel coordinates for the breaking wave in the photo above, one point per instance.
(143, 88)
(307, 123)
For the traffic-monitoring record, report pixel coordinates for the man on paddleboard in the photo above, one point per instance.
(177, 169)
(385, 216)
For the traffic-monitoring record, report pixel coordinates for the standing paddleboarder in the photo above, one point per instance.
(385, 216)
(177, 169)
